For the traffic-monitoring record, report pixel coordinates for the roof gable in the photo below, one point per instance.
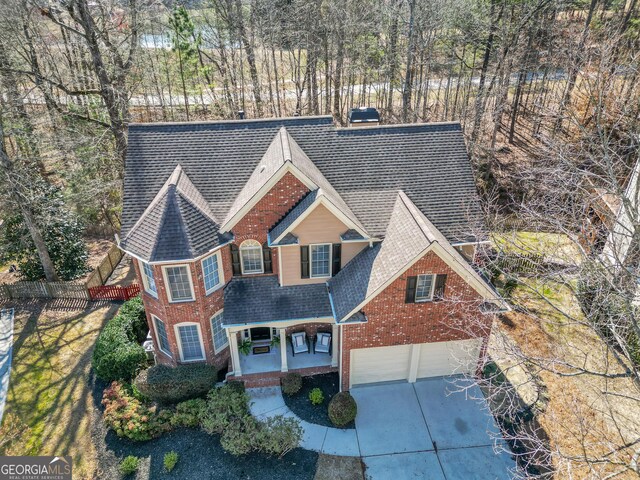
(410, 236)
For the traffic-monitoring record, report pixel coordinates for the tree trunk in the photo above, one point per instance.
(25, 211)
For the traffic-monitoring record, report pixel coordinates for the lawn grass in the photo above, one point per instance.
(549, 245)
(49, 389)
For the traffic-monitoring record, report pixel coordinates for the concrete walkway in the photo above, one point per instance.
(421, 430)
(6, 342)
(267, 402)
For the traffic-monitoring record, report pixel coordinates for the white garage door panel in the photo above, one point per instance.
(446, 358)
(380, 364)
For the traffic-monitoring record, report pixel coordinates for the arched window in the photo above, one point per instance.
(251, 257)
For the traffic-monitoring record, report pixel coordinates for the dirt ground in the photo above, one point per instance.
(587, 416)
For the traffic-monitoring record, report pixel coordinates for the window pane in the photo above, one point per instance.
(179, 285)
(211, 275)
(190, 342)
(251, 259)
(163, 339)
(147, 271)
(320, 261)
(219, 335)
(423, 288)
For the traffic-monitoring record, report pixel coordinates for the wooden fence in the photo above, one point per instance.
(114, 292)
(103, 271)
(92, 289)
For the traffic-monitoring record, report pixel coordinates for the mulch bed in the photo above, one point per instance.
(300, 404)
(200, 456)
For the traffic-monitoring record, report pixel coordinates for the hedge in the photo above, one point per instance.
(119, 354)
(342, 409)
(170, 385)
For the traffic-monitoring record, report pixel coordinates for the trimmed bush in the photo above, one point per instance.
(225, 406)
(236, 385)
(316, 397)
(291, 383)
(342, 409)
(118, 354)
(129, 465)
(189, 413)
(171, 385)
(279, 435)
(240, 436)
(128, 417)
(170, 460)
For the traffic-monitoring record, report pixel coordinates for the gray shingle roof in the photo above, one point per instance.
(177, 225)
(295, 213)
(351, 234)
(251, 300)
(366, 167)
(408, 234)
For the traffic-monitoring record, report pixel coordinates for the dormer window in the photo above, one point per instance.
(251, 257)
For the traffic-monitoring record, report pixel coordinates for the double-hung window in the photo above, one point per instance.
(148, 281)
(321, 260)
(191, 349)
(251, 257)
(218, 332)
(162, 337)
(212, 272)
(179, 286)
(424, 288)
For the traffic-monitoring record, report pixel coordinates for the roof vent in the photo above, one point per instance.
(241, 114)
(364, 116)
(262, 168)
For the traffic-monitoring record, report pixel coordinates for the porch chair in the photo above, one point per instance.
(323, 343)
(299, 343)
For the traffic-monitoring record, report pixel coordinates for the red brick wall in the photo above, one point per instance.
(391, 321)
(276, 203)
(254, 225)
(200, 311)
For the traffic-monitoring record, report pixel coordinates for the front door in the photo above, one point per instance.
(259, 334)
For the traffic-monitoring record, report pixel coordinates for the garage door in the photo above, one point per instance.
(380, 364)
(446, 358)
(410, 362)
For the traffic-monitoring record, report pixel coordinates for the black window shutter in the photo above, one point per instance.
(438, 292)
(266, 258)
(411, 290)
(304, 261)
(235, 260)
(337, 258)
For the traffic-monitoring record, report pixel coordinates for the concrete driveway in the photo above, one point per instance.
(426, 430)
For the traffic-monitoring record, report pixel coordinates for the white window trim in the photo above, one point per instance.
(179, 341)
(168, 288)
(311, 245)
(155, 330)
(220, 273)
(261, 260)
(216, 350)
(433, 287)
(145, 281)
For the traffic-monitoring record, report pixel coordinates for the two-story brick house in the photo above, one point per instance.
(247, 232)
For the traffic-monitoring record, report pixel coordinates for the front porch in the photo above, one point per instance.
(261, 319)
(272, 361)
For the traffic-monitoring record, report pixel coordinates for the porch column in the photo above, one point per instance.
(335, 345)
(283, 349)
(235, 356)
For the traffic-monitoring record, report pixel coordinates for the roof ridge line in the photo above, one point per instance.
(284, 143)
(404, 196)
